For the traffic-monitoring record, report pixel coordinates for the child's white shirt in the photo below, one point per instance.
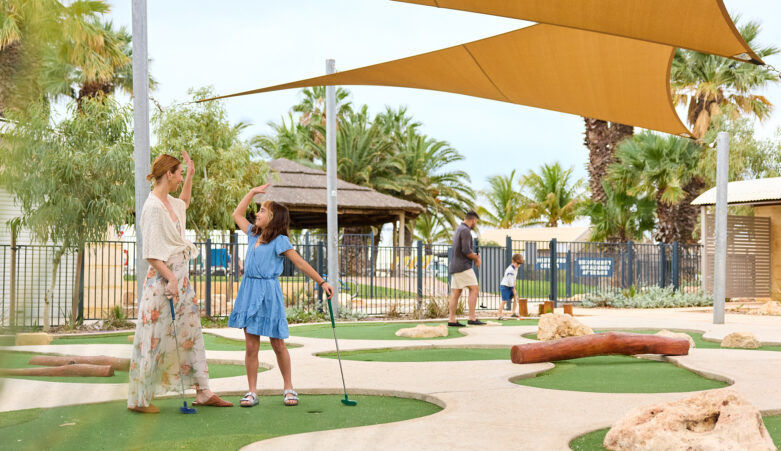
(510, 275)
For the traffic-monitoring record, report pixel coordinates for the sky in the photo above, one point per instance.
(241, 45)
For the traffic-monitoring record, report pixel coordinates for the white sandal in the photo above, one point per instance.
(293, 398)
(251, 398)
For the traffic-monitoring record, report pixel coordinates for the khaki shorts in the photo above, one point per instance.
(463, 279)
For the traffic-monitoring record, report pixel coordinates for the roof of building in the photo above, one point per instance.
(303, 190)
(563, 234)
(760, 191)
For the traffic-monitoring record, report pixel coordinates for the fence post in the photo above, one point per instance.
(320, 270)
(307, 251)
(420, 275)
(235, 255)
(630, 256)
(568, 273)
(208, 274)
(371, 264)
(508, 253)
(662, 266)
(553, 273)
(80, 308)
(676, 265)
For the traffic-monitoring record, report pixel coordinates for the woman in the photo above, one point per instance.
(156, 363)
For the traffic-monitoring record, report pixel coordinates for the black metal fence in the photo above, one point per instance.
(374, 280)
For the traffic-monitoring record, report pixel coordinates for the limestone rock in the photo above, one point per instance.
(423, 331)
(670, 334)
(708, 421)
(131, 338)
(35, 338)
(770, 308)
(493, 323)
(745, 340)
(553, 326)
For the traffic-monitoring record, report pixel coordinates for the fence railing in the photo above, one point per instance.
(373, 280)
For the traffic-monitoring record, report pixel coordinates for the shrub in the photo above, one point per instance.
(649, 297)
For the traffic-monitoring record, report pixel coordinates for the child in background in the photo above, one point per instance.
(507, 286)
(260, 307)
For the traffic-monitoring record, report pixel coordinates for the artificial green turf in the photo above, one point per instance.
(619, 374)
(424, 355)
(210, 341)
(20, 359)
(593, 440)
(365, 331)
(111, 426)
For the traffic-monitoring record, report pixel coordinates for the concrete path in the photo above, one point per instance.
(481, 407)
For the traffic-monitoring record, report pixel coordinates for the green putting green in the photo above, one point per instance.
(619, 374)
(20, 359)
(381, 330)
(210, 341)
(111, 426)
(699, 342)
(593, 440)
(423, 355)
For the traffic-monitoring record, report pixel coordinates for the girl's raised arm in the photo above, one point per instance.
(307, 269)
(241, 209)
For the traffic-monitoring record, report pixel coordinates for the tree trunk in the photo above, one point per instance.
(598, 344)
(12, 287)
(353, 245)
(118, 364)
(75, 317)
(50, 290)
(601, 139)
(80, 370)
(676, 222)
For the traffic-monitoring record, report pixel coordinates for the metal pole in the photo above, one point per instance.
(140, 131)
(720, 254)
(330, 163)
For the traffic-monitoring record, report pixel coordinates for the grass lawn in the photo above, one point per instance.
(699, 342)
(366, 331)
(619, 374)
(593, 440)
(111, 426)
(424, 355)
(19, 360)
(211, 342)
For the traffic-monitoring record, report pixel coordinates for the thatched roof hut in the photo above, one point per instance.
(303, 191)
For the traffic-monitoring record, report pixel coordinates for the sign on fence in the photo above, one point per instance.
(594, 267)
(543, 263)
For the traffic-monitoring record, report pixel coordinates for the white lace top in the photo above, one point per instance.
(160, 235)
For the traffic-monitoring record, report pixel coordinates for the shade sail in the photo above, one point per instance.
(701, 25)
(545, 66)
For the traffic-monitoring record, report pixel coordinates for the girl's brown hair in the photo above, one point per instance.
(161, 166)
(279, 223)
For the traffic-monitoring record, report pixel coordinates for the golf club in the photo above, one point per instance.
(346, 401)
(184, 408)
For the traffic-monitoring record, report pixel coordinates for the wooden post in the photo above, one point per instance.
(568, 309)
(548, 307)
(541, 308)
(523, 308)
(402, 230)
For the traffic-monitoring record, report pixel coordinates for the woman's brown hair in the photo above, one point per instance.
(162, 165)
(278, 225)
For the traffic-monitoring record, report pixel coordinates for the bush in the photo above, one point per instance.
(650, 297)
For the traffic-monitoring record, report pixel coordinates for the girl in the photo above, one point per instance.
(154, 367)
(260, 307)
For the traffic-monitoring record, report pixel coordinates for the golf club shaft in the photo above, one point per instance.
(336, 340)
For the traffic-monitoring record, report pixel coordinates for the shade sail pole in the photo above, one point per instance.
(330, 164)
(720, 253)
(140, 130)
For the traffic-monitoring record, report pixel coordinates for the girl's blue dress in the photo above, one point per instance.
(260, 306)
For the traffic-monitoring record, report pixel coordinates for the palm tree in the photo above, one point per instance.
(431, 228)
(312, 109)
(504, 202)
(708, 83)
(289, 140)
(621, 217)
(550, 194)
(601, 139)
(668, 170)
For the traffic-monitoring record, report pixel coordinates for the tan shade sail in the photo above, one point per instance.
(556, 68)
(702, 25)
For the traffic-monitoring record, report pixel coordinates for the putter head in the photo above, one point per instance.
(188, 410)
(349, 402)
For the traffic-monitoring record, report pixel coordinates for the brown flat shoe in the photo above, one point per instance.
(141, 409)
(214, 401)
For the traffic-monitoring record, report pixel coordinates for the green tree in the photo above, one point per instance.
(667, 169)
(749, 157)
(504, 206)
(707, 83)
(73, 179)
(550, 194)
(430, 228)
(226, 164)
(621, 217)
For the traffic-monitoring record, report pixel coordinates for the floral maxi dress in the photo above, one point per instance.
(154, 367)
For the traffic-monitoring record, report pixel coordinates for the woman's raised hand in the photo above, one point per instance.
(259, 189)
(187, 160)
